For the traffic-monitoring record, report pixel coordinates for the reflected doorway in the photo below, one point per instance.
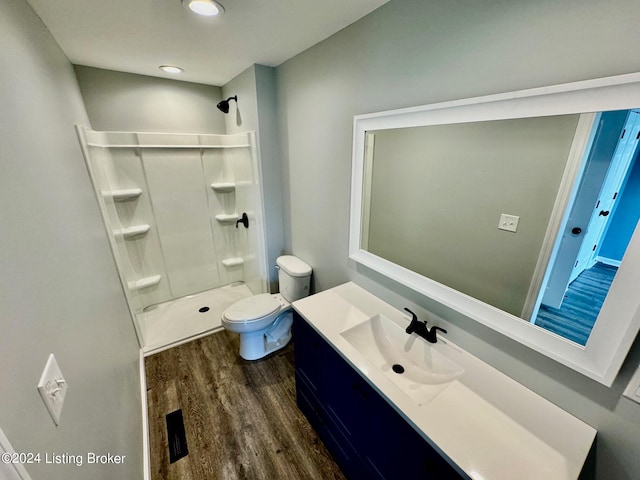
(588, 256)
(583, 300)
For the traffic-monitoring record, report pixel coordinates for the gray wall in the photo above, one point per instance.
(413, 52)
(438, 193)
(256, 111)
(59, 291)
(119, 101)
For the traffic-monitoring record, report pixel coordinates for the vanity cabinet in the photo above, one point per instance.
(365, 435)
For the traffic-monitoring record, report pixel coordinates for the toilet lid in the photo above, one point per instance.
(252, 308)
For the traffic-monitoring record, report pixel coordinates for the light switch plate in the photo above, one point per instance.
(53, 388)
(508, 222)
(632, 392)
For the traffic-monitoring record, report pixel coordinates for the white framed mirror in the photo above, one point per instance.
(485, 204)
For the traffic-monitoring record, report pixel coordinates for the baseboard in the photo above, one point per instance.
(609, 261)
(146, 457)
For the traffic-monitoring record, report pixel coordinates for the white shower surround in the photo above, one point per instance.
(171, 230)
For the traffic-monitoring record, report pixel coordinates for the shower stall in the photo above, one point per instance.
(173, 208)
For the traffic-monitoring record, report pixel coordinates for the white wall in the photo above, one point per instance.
(59, 291)
(412, 52)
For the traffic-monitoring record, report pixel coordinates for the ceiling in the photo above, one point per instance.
(137, 36)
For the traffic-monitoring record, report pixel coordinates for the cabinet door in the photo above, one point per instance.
(309, 354)
(315, 380)
(395, 450)
(345, 398)
(391, 445)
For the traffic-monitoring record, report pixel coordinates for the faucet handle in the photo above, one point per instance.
(435, 328)
(415, 325)
(414, 317)
(430, 334)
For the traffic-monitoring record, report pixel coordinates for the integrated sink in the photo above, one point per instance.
(421, 369)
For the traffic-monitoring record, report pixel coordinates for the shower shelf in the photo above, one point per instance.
(125, 194)
(232, 262)
(224, 186)
(144, 282)
(133, 231)
(227, 217)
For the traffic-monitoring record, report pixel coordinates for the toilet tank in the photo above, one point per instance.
(294, 277)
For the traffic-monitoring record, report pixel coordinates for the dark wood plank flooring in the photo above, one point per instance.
(583, 301)
(241, 418)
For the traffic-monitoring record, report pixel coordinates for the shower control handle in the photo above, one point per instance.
(244, 221)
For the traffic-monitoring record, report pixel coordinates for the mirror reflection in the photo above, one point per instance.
(529, 215)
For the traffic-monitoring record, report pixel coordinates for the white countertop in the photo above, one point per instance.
(490, 426)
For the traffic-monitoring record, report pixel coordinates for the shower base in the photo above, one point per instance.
(178, 321)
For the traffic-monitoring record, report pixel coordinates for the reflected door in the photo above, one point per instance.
(620, 164)
(605, 141)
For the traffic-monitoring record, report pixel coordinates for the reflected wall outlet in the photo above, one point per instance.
(508, 222)
(53, 388)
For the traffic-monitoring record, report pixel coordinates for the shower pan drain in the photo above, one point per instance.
(203, 309)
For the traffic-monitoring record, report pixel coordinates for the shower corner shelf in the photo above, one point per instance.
(232, 262)
(227, 217)
(133, 231)
(144, 282)
(223, 187)
(124, 194)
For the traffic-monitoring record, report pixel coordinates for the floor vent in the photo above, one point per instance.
(176, 436)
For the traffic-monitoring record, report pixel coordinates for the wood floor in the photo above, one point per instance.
(241, 418)
(583, 301)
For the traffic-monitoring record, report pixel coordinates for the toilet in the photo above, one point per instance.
(264, 321)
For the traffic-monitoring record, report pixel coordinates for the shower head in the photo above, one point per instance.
(223, 106)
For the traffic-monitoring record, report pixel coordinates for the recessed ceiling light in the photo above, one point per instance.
(208, 8)
(171, 69)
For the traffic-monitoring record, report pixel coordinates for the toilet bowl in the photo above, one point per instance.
(264, 321)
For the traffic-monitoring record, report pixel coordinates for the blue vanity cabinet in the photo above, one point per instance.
(394, 449)
(313, 387)
(309, 356)
(366, 436)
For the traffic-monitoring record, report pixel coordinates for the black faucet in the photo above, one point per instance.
(421, 329)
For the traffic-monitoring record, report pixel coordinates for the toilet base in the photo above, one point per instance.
(256, 345)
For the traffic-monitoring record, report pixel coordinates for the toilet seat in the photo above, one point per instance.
(252, 308)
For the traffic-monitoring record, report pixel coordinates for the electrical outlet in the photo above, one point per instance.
(53, 388)
(508, 222)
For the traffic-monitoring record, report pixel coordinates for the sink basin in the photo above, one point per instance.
(421, 369)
